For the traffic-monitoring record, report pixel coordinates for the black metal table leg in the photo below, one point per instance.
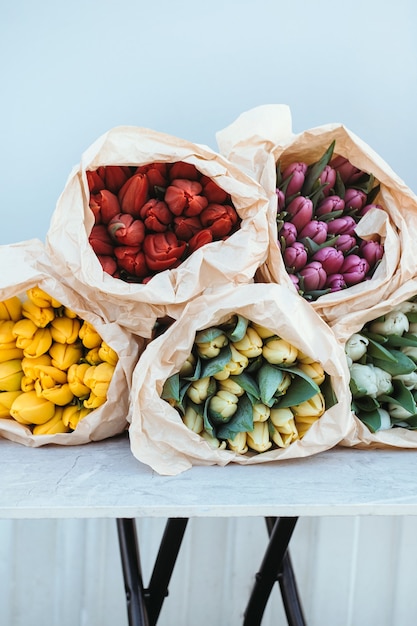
(132, 574)
(269, 571)
(144, 604)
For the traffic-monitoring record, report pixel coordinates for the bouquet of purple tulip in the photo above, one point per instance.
(319, 207)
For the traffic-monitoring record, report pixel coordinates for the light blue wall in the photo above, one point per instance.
(72, 70)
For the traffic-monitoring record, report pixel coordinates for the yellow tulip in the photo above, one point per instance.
(278, 351)
(258, 438)
(238, 444)
(187, 368)
(6, 400)
(314, 407)
(283, 430)
(27, 384)
(28, 408)
(250, 345)
(61, 395)
(89, 336)
(314, 370)
(9, 351)
(72, 414)
(11, 309)
(75, 374)
(235, 366)
(65, 329)
(6, 331)
(209, 349)
(193, 420)
(23, 332)
(260, 412)
(231, 386)
(304, 424)
(92, 357)
(223, 405)
(65, 354)
(40, 343)
(198, 390)
(11, 374)
(213, 441)
(93, 401)
(50, 376)
(41, 316)
(40, 298)
(52, 426)
(262, 331)
(98, 378)
(30, 365)
(107, 354)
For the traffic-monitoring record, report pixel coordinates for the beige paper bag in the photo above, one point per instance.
(157, 434)
(136, 306)
(262, 136)
(19, 271)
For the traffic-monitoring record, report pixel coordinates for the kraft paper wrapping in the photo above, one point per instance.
(360, 436)
(136, 306)
(19, 272)
(262, 136)
(157, 435)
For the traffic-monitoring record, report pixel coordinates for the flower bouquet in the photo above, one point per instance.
(381, 350)
(147, 220)
(234, 380)
(339, 218)
(64, 373)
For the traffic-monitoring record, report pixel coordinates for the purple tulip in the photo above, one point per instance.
(372, 251)
(330, 258)
(289, 233)
(295, 256)
(348, 172)
(345, 243)
(300, 211)
(295, 280)
(335, 282)
(330, 204)
(328, 177)
(368, 207)
(315, 230)
(342, 226)
(355, 199)
(280, 199)
(314, 276)
(354, 269)
(298, 172)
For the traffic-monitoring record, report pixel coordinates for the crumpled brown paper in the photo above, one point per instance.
(19, 271)
(360, 436)
(157, 435)
(262, 136)
(136, 306)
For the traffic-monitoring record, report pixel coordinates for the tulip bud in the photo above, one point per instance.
(364, 379)
(328, 178)
(9, 351)
(92, 356)
(282, 427)
(156, 215)
(258, 438)
(28, 408)
(98, 378)
(335, 282)
(188, 367)
(100, 240)
(356, 346)
(41, 316)
(193, 420)
(393, 323)
(260, 412)
(183, 197)
(104, 205)
(235, 366)
(181, 169)
(75, 375)
(372, 251)
(134, 193)
(231, 386)
(368, 207)
(125, 230)
(6, 400)
(200, 239)
(199, 390)
(297, 171)
(315, 230)
(354, 269)
(211, 348)
(238, 443)
(300, 212)
(280, 200)
(314, 370)
(219, 218)
(11, 309)
(95, 181)
(288, 232)
(132, 260)
(52, 426)
(107, 354)
(108, 264)
(330, 204)
(250, 345)
(114, 176)
(39, 344)
(409, 380)
(383, 381)
(61, 395)
(89, 336)
(314, 276)
(263, 332)
(213, 442)
(72, 414)
(156, 173)
(93, 401)
(355, 199)
(65, 329)
(313, 407)
(304, 423)
(295, 256)
(330, 259)
(277, 351)
(345, 243)
(223, 405)
(162, 250)
(30, 365)
(342, 226)
(186, 227)
(348, 172)
(23, 332)
(64, 355)
(397, 411)
(213, 192)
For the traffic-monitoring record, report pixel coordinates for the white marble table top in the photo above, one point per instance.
(104, 479)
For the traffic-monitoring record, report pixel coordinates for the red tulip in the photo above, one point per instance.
(183, 170)
(156, 215)
(300, 212)
(200, 239)
(219, 218)
(330, 258)
(95, 182)
(114, 176)
(108, 264)
(315, 230)
(297, 171)
(100, 240)
(105, 205)
(163, 250)
(131, 260)
(157, 173)
(187, 227)
(295, 256)
(126, 230)
(314, 276)
(134, 194)
(213, 192)
(183, 197)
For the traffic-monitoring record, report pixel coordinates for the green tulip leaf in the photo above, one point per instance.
(209, 367)
(412, 317)
(247, 383)
(398, 341)
(326, 388)
(372, 194)
(314, 170)
(235, 330)
(196, 375)
(241, 421)
(409, 422)
(374, 336)
(171, 388)
(332, 215)
(302, 388)
(254, 364)
(377, 351)
(269, 379)
(208, 426)
(371, 419)
(339, 186)
(402, 364)
(356, 391)
(366, 403)
(400, 395)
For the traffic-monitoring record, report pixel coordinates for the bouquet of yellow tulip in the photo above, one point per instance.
(59, 362)
(246, 374)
